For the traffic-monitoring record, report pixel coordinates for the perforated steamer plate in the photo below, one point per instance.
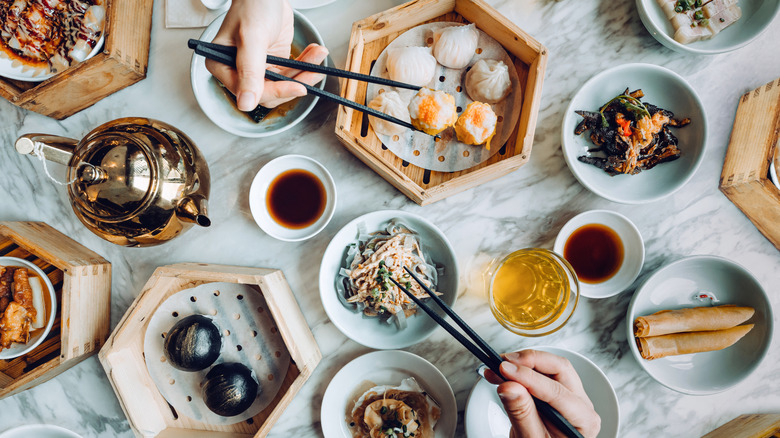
(249, 336)
(448, 154)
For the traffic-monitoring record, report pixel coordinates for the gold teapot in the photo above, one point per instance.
(133, 181)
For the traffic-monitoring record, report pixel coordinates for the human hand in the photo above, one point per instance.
(257, 28)
(549, 378)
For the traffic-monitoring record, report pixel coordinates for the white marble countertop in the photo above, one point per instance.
(524, 209)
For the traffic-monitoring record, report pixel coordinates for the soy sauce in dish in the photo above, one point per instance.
(595, 251)
(296, 198)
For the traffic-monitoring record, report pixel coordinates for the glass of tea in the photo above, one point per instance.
(533, 292)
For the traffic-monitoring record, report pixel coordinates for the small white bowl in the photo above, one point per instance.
(673, 287)
(17, 350)
(757, 15)
(39, 431)
(662, 87)
(216, 5)
(259, 190)
(633, 251)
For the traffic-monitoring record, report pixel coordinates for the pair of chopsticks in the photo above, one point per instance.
(227, 55)
(481, 350)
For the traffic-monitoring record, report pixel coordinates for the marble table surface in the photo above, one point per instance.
(523, 209)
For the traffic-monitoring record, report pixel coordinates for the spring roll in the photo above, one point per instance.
(656, 347)
(697, 319)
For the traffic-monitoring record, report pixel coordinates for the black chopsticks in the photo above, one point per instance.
(227, 55)
(482, 350)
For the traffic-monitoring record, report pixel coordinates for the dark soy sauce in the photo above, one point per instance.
(296, 199)
(595, 252)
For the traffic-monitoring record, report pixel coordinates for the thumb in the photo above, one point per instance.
(521, 409)
(250, 68)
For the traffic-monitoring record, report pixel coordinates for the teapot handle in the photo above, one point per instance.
(54, 148)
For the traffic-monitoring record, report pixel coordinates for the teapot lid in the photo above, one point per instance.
(114, 177)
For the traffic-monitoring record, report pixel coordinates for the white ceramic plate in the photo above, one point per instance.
(774, 165)
(309, 4)
(373, 332)
(21, 73)
(17, 350)
(39, 431)
(633, 250)
(259, 190)
(485, 416)
(218, 107)
(385, 368)
(757, 15)
(673, 287)
(662, 87)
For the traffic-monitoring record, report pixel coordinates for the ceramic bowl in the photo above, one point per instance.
(374, 332)
(674, 287)
(39, 431)
(259, 191)
(221, 110)
(757, 15)
(633, 251)
(17, 350)
(662, 87)
(773, 167)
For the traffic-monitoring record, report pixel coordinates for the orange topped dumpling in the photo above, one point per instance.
(432, 111)
(477, 124)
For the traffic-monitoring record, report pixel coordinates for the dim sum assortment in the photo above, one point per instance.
(22, 305)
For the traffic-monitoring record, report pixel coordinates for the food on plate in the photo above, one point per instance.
(193, 344)
(411, 65)
(50, 34)
(454, 46)
(695, 20)
(477, 124)
(488, 81)
(432, 111)
(229, 389)
(390, 103)
(399, 411)
(629, 135)
(364, 284)
(655, 347)
(595, 251)
(22, 305)
(691, 320)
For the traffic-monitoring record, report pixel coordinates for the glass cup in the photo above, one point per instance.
(533, 291)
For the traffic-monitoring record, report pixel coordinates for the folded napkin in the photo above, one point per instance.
(189, 13)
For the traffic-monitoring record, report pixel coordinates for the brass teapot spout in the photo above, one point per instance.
(193, 209)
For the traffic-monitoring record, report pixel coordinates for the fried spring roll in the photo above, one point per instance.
(14, 325)
(656, 347)
(696, 319)
(23, 293)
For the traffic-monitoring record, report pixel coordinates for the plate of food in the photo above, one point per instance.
(706, 27)
(485, 416)
(358, 263)
(28, 307)
(700, 325)
(42, 38)
(389, 393)
(635, 133)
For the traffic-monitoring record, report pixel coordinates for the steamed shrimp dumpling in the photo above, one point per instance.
(411, 65)
(454, 46)
(432, 111)
(488, 81)
(390, 103)
(477, 124)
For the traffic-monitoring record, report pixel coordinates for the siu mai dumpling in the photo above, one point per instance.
(390, 103)
(432, 111)
(488, 81)
(477, 124)
(454, 46)
(411, 65)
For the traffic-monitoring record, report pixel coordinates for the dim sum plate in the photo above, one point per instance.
(674, 287)
(13, 69)
(39, 431)
(385, 368)
(485, 416)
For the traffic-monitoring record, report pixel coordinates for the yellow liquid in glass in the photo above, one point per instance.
(530, 290)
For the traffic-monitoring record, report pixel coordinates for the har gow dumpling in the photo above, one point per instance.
(390, 103)
(411, 65)
(432, 111)
(488, 81)
(477, 124)
(454, 46)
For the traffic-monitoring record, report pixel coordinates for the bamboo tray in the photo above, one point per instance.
(371, 35)
(122, 63)
(82, 282)
(749, 426)
(148, 413)
(745, 178)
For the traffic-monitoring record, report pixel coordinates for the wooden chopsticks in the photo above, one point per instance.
(227, 55)
(481, 350)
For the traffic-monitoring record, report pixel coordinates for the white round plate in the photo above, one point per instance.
(17, 350)
(673, 287)
(39, 431)
(485, 416)
(662, 87)
(22, 73)
(774, 165)
(385, 368)
(215, 103)
(374, 332)
(757, 15)
(633, 250)
(309, 4)
(259, 190)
